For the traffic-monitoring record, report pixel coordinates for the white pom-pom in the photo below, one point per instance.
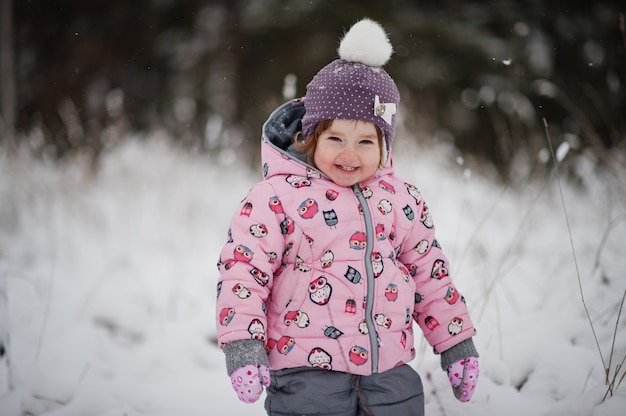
(366, 42)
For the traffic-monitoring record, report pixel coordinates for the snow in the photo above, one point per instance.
(110, 284)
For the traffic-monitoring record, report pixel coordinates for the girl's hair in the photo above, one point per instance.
(309, 144)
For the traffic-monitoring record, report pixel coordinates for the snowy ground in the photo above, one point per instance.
(110, 283)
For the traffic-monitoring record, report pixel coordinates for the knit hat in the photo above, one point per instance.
(355, 86)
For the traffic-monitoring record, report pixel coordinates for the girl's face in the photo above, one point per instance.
(348, 151)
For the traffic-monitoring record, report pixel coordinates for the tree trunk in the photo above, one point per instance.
(7, 73)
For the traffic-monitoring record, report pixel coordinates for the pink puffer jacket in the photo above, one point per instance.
(333, 277)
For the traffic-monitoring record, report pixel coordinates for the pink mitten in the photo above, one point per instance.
(248, 381)
(463, 376)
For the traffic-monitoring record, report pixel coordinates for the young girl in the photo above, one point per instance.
(332, 257)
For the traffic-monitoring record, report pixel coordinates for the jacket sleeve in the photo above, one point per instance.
(439, 308)
(247, 264)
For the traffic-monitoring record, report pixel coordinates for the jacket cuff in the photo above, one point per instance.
(458, 352)
(244, 352)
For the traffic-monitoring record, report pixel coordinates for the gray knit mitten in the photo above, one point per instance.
(460, 351)
(244, 352)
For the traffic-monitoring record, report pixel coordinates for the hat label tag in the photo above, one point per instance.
(384, 110)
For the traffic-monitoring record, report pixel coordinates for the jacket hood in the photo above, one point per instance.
(284, 122)
(278, 153)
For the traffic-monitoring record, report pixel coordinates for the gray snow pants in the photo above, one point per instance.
(310, 391)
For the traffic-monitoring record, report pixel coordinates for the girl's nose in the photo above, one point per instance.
(348, 154)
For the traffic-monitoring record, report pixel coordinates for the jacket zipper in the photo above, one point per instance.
(369, 269)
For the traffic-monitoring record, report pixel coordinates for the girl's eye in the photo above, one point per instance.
(367, 141)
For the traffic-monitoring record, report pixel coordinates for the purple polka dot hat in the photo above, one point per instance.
(355, 86)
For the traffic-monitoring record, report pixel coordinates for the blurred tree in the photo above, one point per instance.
(478, 75)
(487, 75)
(80, 65)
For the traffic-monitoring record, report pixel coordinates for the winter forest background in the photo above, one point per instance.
(129, 131)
